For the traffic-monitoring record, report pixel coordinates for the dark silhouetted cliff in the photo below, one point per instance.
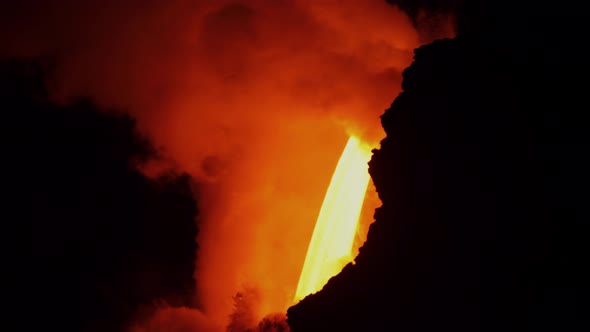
(480, 178)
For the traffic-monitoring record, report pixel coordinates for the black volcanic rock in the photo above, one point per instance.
(480, 228)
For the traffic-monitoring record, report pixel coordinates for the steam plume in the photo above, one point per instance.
(253, 98)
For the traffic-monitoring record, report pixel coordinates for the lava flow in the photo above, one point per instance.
(330, 248)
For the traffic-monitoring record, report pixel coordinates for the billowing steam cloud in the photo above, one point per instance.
(253, 98)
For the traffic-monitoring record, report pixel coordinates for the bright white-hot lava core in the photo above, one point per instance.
(330, 248)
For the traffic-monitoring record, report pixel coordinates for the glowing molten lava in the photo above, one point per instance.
(332, 241)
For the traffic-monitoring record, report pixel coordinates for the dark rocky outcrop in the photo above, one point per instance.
(479, 175)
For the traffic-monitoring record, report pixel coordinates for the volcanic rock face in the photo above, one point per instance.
(475, 229)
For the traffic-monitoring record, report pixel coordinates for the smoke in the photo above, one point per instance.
(255, 99)
(169, 319)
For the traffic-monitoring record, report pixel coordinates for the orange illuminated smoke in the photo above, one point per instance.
(330, 248)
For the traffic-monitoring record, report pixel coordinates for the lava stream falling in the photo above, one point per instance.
(330, 248)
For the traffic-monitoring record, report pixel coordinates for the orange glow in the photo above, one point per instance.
(254, 99)
(331, 246)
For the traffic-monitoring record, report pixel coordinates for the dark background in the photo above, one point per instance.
(90, 241)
